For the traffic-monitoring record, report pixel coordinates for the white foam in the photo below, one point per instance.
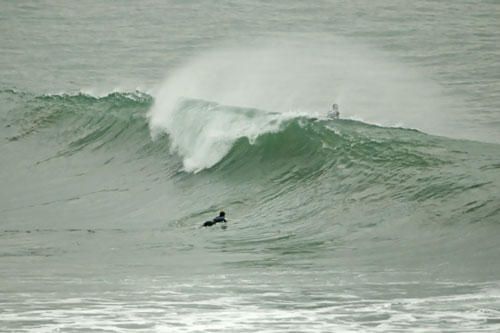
(247, 304)
(204, 132)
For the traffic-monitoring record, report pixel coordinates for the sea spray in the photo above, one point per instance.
(297, 77)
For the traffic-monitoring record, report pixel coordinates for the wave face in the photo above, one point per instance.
(288, 155)
(86, 176)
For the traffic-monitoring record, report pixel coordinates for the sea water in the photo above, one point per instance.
(125, 126)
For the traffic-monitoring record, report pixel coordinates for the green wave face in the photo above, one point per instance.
(294, 185)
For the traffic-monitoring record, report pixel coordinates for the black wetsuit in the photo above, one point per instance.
(214, 221)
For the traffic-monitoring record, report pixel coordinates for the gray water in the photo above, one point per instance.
(126, 125)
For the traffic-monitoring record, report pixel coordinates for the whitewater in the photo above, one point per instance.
(124, 128)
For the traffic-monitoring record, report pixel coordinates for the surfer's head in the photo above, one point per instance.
(222, 213)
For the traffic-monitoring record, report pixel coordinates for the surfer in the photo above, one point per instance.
(334, 113)
(220, 218)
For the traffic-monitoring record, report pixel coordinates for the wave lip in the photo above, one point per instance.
(203, 132)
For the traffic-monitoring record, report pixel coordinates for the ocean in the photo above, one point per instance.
(126, 125)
